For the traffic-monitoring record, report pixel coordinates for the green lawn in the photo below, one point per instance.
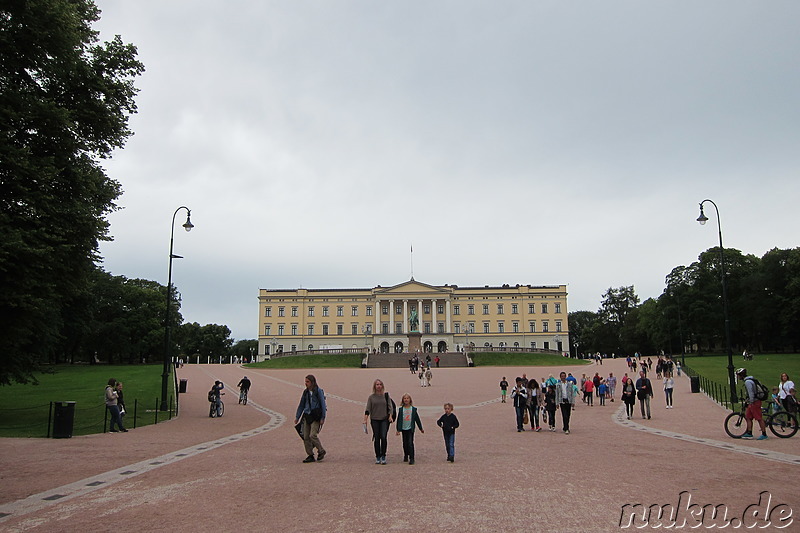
(25, 408)
(311, 361)
(767, 368)
(524, 359)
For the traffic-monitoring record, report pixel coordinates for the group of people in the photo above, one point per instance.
(784, 396)
(533, 400)
(379, 413)
(115, 404)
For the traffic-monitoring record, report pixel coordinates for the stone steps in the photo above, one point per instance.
(400, 360)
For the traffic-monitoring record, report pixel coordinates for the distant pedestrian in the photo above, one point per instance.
(629, 396)
(644, 391)
(669, 384)
(503, 389)
(519, 395)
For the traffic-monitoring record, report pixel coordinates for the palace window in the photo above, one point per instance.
(398, 328)
(339, 310)
(354, 329)
(294, 311)
(354, 310)
(440, 309)
(267, 311)
(369, 310)
(531, 309)
(280, 329)
(457, 330)
(267, 329)
(324, 329)
(311, 311)
(545, 327)
(499, 309)
(515, 327)
(325, 310)
(514, 309)
(281, 311)
(501, 327)
(532, 327)
(486, 327)
(385, 309)
(398, 310)
(485, 309)
(471, 309)
(311, 329)
(426, 309)
(558, 325)
(339, 329)
(294, 329)
(385, 329)
(427, 327)
(544, 309)
(440, 327)
(456, 309)
(558, 308)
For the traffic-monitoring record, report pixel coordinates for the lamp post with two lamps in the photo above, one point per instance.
(167, 356)
(702, 219)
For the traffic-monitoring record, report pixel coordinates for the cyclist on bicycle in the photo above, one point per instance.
(216, 391)
(244, 387)
(753, 410)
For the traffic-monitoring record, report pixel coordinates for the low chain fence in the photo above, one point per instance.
(40, 420)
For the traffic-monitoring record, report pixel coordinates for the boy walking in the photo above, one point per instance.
(448, 422)
(503, 389)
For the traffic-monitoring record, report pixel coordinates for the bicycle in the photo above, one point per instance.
(243, 396)
(782, 424)
(214, 411)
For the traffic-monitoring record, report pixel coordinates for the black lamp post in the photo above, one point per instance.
(702, 219)
(167, 359)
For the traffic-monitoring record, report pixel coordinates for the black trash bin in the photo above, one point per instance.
(182, 386)
(695, 381)
(63, 419)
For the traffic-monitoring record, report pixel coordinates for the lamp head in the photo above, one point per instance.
(702, 219)
(188, 224)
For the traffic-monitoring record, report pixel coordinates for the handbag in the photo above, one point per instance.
(316, 412)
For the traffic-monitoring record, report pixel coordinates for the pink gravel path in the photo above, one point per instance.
(250, 475)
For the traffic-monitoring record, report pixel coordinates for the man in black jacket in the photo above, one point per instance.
(644, 391)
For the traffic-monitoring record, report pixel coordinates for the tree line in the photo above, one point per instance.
(763, 303)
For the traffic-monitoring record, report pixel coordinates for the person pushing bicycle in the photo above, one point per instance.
(753, 410)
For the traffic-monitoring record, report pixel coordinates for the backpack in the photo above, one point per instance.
(211, 396)
(761, 392)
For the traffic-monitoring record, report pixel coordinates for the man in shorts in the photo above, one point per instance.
(753, 411)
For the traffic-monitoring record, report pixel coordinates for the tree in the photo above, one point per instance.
(245, 348)
(65, 100)
(211, 340)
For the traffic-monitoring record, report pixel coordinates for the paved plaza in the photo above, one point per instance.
(243, 472)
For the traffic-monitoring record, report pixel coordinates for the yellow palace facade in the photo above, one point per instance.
(378, 319)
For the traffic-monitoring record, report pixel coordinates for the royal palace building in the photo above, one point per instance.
(442, 318)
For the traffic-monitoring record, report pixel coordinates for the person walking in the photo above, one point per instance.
(669, 384)
(644, 391)
(565, 399)
(449, 423)
(113, 407)
(629, 396)
(312, 410)
(519, 395)
(407, 419)
(550, 406)
(380, 412)
(611, 381)
(534, 403)
(503, 389)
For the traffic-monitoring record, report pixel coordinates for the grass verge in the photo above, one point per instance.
(311, 361)
(25, 409)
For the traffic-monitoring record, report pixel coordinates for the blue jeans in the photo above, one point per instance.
(379, 430)
(520, 416)
(115, 417)
(450, 444)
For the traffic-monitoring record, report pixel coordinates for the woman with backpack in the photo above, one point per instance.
(380, 412)
(312, 412)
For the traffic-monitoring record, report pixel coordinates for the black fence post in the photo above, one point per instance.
(135, 409)
(156, 412)
(49, 420)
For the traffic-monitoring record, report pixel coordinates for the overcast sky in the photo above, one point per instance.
(530, 142)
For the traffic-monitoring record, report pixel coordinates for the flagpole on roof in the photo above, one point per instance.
(412, 262)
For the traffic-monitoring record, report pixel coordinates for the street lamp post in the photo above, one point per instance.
(167, 356)
(702, 219)
(274, 344)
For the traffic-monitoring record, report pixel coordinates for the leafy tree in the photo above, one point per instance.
(211, 340)
(243, 348)
(65, 100)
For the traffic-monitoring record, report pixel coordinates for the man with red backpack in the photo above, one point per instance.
(753, 410)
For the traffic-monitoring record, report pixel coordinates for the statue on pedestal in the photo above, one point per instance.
(413, 321)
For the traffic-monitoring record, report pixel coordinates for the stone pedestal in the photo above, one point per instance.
(414, 342)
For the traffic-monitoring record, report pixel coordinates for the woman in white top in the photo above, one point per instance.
(783, 389)
(669, 384)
